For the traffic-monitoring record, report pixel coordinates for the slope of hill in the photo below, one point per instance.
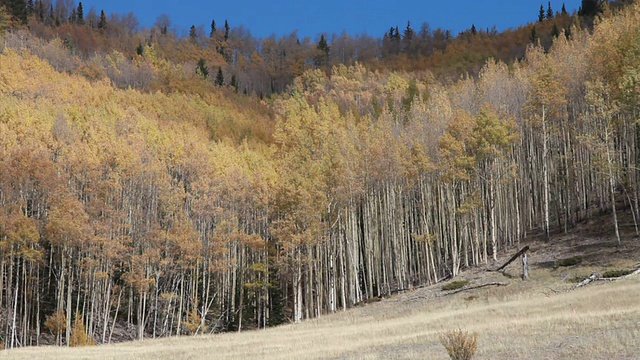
(139, 200)
(544, 317)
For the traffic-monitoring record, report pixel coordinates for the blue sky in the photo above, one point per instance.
(311, 18)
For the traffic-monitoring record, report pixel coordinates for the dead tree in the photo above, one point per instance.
(525, 262)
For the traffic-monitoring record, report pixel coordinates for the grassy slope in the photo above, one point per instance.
(534, 319)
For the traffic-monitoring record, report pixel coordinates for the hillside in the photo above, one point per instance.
(140, 198)
(116, 46)
(534, 319)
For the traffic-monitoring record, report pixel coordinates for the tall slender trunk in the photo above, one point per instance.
(545, 173)
(612, 188)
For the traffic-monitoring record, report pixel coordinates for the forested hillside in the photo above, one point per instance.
(116, 46)
(142, 198)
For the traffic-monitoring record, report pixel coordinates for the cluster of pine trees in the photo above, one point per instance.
(127, 214)
(232, 57)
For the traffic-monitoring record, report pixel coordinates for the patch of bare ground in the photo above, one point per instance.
(544, 317)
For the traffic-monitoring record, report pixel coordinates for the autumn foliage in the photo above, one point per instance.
(138, 199)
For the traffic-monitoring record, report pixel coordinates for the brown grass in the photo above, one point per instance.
(534, 319)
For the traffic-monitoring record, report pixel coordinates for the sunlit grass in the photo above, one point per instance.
(519, 321)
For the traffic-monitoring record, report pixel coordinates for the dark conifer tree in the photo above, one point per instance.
(554, 31)
(234, 83)
(564, 10)
(533, 35)
(69, 44)
(408, 32)
(322, 58)
(219, 78)
(391, 33)
(473, 29)
(203, 70)
(17, 9)
(213, 29)
(40, 11)
(31, 7)
(193, 34)
(549, 11)
(590, 8)
(52, 18)
(102, 24)
(541, 14)
(73, 18)
(227, 29)
(80, 14)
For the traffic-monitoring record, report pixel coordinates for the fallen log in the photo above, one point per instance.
(474, 287)
(621, 277)
(596, 277)
(593, 277)
(513, 258)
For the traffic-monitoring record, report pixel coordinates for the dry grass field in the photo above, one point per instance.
(541, 318)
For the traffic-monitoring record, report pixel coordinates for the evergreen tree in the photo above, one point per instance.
(322, 58)
(219, 78)
(564, 10)
(80, 14)
(213, 29)
(533, 36)
(391, 33)
(554, 31)
(69, 44)
(203, 70)
(31, 7)
(541, 14)
(234, 83)
(52, 18)
(193, 34)
(590, 8)
(227, 29)
(102, 24)
(73, 18)
(40, 12)
(473, 29)
(412, 93)
(18, 9)
(549, 11)
(408, 32)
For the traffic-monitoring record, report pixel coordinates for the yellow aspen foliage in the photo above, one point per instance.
(68, 223)
(455, 154)
(22, 237)
(56, 322)
(491, 136)
(79, 335)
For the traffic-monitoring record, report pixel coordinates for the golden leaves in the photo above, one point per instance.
(470, 141)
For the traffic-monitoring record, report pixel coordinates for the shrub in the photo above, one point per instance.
(455, 285)
(56, 323)
(615, 273)
(79, 335)
(460, 344)
(570, 261)
(577, 279)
